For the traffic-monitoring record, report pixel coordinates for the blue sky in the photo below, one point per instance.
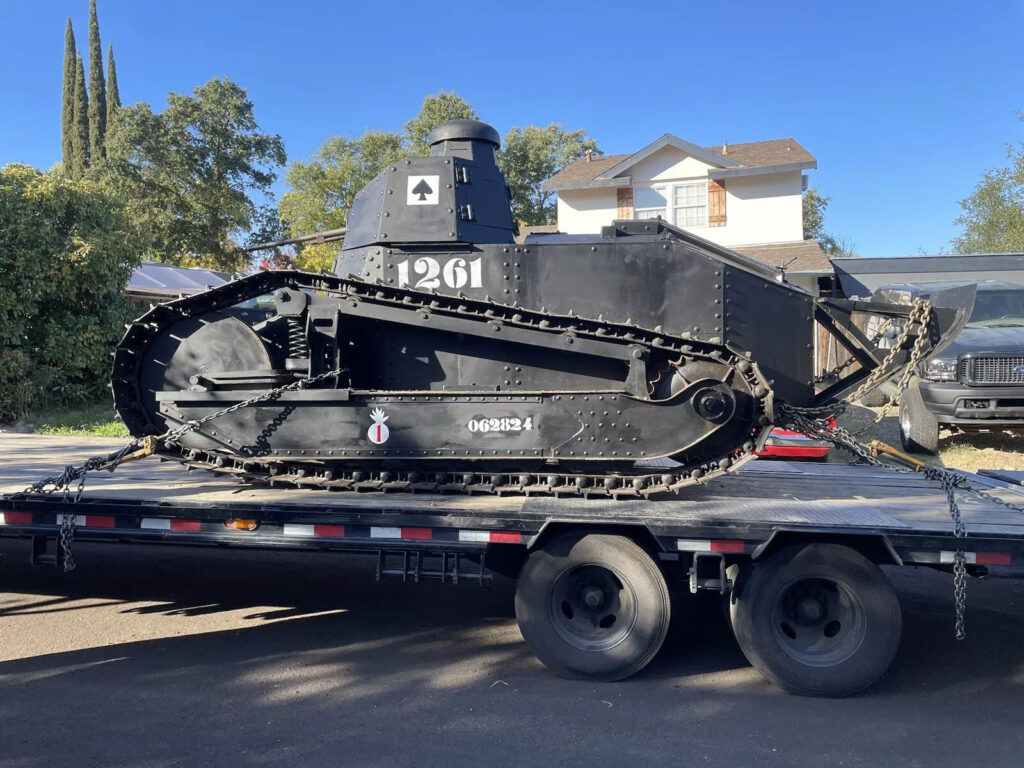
(904, 104)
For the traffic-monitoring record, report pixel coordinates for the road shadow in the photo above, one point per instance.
(331, 668)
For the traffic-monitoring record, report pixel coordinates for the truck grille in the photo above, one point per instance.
(992, 370)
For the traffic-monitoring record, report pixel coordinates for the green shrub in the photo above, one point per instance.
(66, 252)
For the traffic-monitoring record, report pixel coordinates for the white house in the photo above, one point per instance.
(744, 196)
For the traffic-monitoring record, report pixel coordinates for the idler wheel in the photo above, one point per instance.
(212, 343)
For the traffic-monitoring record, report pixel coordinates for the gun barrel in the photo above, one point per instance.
(327, 236)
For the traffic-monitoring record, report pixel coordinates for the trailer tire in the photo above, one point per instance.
(919, 429)
(817, 620)
(593, 607)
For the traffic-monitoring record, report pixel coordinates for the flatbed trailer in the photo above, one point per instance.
(795, 548)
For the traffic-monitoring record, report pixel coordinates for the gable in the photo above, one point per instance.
(668, 163)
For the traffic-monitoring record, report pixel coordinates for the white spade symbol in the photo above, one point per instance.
(378, 431)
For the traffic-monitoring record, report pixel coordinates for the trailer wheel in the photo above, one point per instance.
(594, 607)
(919, 429)
(817, 620)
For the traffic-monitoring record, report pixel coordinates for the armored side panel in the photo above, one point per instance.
(774, 323)
(642, 273)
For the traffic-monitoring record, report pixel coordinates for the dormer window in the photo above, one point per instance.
(684, 204)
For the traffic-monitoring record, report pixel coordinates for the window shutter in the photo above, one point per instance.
(624, 203)
(716, 203)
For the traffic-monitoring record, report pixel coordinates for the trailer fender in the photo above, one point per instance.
(876, 548)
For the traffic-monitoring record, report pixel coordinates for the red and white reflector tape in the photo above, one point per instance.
(439, 535)
(709, 545)
(167, 524)
(15, 518)
(492, 537)
(403, 532)
(976, 558)
(296, 529)
(91, 521)
(381, 532)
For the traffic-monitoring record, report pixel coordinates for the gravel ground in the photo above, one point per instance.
(978, 450)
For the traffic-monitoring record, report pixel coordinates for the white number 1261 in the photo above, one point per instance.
(455, 273)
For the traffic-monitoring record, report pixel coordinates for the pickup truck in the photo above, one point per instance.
(977, 382)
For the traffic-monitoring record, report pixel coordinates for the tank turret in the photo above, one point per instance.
(455, 195)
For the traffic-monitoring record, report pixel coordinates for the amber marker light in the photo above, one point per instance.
(241, 524)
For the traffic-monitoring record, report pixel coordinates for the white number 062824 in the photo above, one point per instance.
(429, 273)
(504, 424)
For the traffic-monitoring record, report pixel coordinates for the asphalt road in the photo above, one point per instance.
(158, 656)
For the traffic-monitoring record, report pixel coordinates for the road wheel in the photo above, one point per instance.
(919, 429)
(594, 607)
(817, 620)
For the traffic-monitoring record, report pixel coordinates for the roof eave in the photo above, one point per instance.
(598, 183)
(760, 170)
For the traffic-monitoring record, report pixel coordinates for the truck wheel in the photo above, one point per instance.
(817, 620)
(594, 607)
(919, 429)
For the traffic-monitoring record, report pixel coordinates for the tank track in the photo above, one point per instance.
(644, 484)
(645, 481)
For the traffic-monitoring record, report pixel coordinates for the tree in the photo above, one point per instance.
(435, 110)
(188, 172)
(113, 95)
(814, 206)
(993, 216)
(67, 111)
(80, 135)
(321, 189)
(267, 227)
(533, 154)
(67, 250)
(97, 90)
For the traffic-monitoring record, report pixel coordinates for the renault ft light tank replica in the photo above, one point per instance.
(442, 355)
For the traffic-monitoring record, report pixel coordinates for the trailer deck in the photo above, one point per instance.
(738, 513)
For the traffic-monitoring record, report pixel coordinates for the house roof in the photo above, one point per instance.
(581, 170)
(732, 159)
(535, 229)
(151, 278)
(795, 256)
(755, 154)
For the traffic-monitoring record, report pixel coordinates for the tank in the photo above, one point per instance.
(440, 354)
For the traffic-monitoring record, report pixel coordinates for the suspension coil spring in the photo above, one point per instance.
(297, 346)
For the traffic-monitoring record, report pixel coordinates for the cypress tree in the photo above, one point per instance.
(113, 96)
(80, 136)
(67, 110)
(97, 90)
